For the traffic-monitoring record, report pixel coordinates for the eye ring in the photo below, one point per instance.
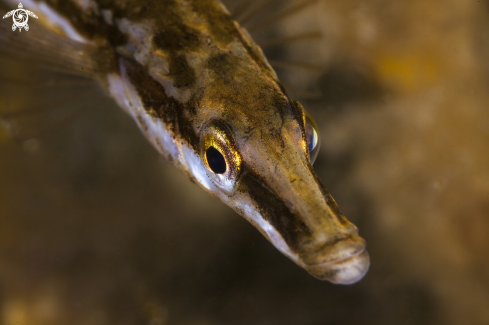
(313, 139)
(221, 157)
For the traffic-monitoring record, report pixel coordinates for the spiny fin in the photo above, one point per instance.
(289, 39)
(299, 6)
(264, 20)
(296, 65)
(45, 49)
(238, 8)
(251, 14)
(33, 66)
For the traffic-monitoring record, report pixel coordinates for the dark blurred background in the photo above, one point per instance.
(97, 228)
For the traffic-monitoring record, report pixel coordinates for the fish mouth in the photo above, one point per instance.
(351, 267)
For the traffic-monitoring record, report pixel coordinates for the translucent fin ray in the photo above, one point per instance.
(283, 15)
(47, 80)
(282, 64)
(50, 51)
(254, 11)
(290, 39)
(239, 8)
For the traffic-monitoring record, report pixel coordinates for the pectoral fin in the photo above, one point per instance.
(56, 76)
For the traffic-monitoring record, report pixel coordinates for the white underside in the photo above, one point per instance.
(273, 235)
(155, 131)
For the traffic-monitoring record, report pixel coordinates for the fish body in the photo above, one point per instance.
(204, 95)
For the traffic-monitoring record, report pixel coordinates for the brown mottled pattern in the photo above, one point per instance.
(161, 106)
(199, 65)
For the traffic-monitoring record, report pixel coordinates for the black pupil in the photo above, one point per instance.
(216, 160)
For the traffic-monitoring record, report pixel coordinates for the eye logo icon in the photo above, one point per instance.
(20, 16)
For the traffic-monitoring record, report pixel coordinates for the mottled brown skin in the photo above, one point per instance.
(217, 73)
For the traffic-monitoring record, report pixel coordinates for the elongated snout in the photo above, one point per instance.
(283, 197)
(303, 221)
(331, 248)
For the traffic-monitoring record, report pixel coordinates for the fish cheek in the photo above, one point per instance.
(273, 209)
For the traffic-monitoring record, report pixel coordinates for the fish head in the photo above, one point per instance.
(257, 147)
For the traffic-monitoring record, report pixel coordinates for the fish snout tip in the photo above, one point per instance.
(345, 262)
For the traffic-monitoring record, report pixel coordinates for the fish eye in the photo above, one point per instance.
(312, 138)
(221, 157)
(215, 160)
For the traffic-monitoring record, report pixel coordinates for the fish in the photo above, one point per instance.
(204, 95)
